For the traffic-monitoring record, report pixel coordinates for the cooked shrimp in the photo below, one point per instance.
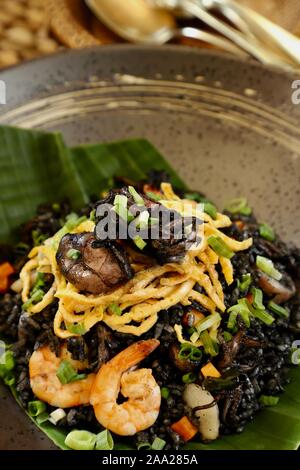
(141, 408)
(43, 366)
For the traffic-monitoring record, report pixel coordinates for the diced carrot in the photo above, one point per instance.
(4, 284)
(147, 188)
(209, 370)
(240, 224)
(185, 429)
(6, 270)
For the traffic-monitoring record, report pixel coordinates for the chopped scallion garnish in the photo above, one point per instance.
(238, 206)
(210, 209)
(278, 309)
(187, 351)
(227, 336)
(220, 247)
(104, 441)
(154, 196)
(245, 282)
(115, 309)
(268, 400)
(77, 328)
(57, 415)
(142, 220)
(66, 373)
(144, 446)
(73, 254)
(81, 440)
(139, 242)
(267, 232)
(165, 392)
(136, 196)
(208, 322)
(257, 298)
(189, 378)
(158, 444)
(267, 266)
(36, 408)
(210, 347)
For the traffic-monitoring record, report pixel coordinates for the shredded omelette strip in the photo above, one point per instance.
(152, 289)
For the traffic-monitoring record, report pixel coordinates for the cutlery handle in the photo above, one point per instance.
(265, 28)
(209, 38)
(239, 39)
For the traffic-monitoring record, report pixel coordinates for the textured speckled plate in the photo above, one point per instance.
(228, 127)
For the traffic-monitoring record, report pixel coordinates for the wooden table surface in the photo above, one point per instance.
(29, 28)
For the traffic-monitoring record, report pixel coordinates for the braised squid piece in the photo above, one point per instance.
(92, 268)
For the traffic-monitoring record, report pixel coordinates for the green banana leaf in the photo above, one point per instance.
(37, 167)
(133, 159)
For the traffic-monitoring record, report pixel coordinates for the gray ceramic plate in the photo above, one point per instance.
(228, 127)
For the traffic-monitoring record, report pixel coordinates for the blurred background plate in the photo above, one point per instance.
(228, 126)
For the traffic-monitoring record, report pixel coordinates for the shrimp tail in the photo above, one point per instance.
(135, 353)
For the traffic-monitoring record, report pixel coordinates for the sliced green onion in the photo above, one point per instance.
(104, 441)
(245, 282)
(195, 197)
(144, 446)
(191, 331)
(39, 282)
(9, 379)
(120, 207)
(185, 351)
(153, 196)
(36, 297)
(238, 206)
(196, 354)
(165, 392)
(227, 336)
(158, 444)
(57, 415)
(220, 247)
(189, 378)
(7, 363)
(77, 328)
(153, 221)
(73, 254)
(262, 315)
(210, 209)
(267, 266)
(209, 346)
(56, 207)
(36, 408)
(267, 232)
(139, 242)
(268, 400)
(81, 440)
(114, 308)
(241, 308)
(73, 221)
(280, 311)
(232, 320)
(42, 418)
(37, 237)
(257, 298)
(295, 356)
(142, 220)
(93, 215)
(136, 196)
(194, 337)
(208, 322)
(66, 373)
